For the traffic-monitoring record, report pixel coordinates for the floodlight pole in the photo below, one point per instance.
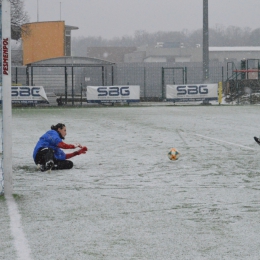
(205, 41)
(37, 10)
(6, 98)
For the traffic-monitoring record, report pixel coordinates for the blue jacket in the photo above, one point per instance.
(50, 140)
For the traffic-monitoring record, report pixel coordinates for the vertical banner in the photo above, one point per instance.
(6, 98)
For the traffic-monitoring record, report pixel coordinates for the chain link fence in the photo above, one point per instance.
(70, 82)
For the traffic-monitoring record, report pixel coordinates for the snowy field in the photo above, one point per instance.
(125, 199)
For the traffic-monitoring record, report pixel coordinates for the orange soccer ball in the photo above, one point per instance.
(173, 154)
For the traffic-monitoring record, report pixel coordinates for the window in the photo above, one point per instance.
(67, 43)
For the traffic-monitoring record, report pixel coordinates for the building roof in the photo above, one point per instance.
(71, 61)
(69, 27)
(235, 48)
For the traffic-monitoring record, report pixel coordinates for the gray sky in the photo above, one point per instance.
(116, 18)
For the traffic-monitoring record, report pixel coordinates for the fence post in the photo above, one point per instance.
(31, 76)
(103, 76)
(72, 83)
(144, 82)
(185, 75)
(237, 90)
(258, 67)
(81, 93)
(66, 85)
(27, 75)
(16, 75)
(112, 75)
(162, 82)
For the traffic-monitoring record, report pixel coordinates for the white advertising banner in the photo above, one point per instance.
(113, 94)
(192, 92)
(28, 95)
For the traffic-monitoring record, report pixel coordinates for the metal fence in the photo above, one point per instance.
(69, 81)
(242, 91)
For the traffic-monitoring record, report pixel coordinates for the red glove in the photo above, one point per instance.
(82, 150)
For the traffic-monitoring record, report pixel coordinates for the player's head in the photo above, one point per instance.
(61, 129)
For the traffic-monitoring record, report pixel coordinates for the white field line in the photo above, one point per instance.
(242, 146)
(20, 241)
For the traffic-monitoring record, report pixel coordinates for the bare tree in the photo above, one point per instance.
(18, 18)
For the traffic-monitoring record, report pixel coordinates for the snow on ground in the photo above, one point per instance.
(125, 199)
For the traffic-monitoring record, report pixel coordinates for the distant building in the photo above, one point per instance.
(52, 39)
(234, 53)
(112, 54)
(46, 40)
(165, 53)
(177, 52)
(168, 45)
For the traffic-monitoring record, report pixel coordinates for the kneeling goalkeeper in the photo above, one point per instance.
(48, 154)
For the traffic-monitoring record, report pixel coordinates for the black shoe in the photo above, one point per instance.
(257, 140)
(42, 168)
(48, 166)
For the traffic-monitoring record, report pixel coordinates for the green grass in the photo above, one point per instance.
(17, 196)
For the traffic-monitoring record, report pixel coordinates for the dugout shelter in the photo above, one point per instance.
(68, 76)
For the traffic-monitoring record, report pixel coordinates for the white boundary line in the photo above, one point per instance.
(20, 241)
(242, 146)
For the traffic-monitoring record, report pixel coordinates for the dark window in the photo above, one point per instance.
(68, 43)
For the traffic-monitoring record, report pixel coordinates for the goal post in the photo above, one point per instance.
(2, 173)
(6, 99)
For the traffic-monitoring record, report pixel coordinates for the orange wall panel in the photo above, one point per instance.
(44, 41)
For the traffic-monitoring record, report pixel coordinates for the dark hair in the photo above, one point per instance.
(56, 127)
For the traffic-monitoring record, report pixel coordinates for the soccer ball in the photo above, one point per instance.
(173, 154)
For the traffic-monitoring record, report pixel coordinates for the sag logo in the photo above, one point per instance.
(113, 91)
(192, 90)
(25, 92)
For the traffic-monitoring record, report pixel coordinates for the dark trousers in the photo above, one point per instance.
(46, 154)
